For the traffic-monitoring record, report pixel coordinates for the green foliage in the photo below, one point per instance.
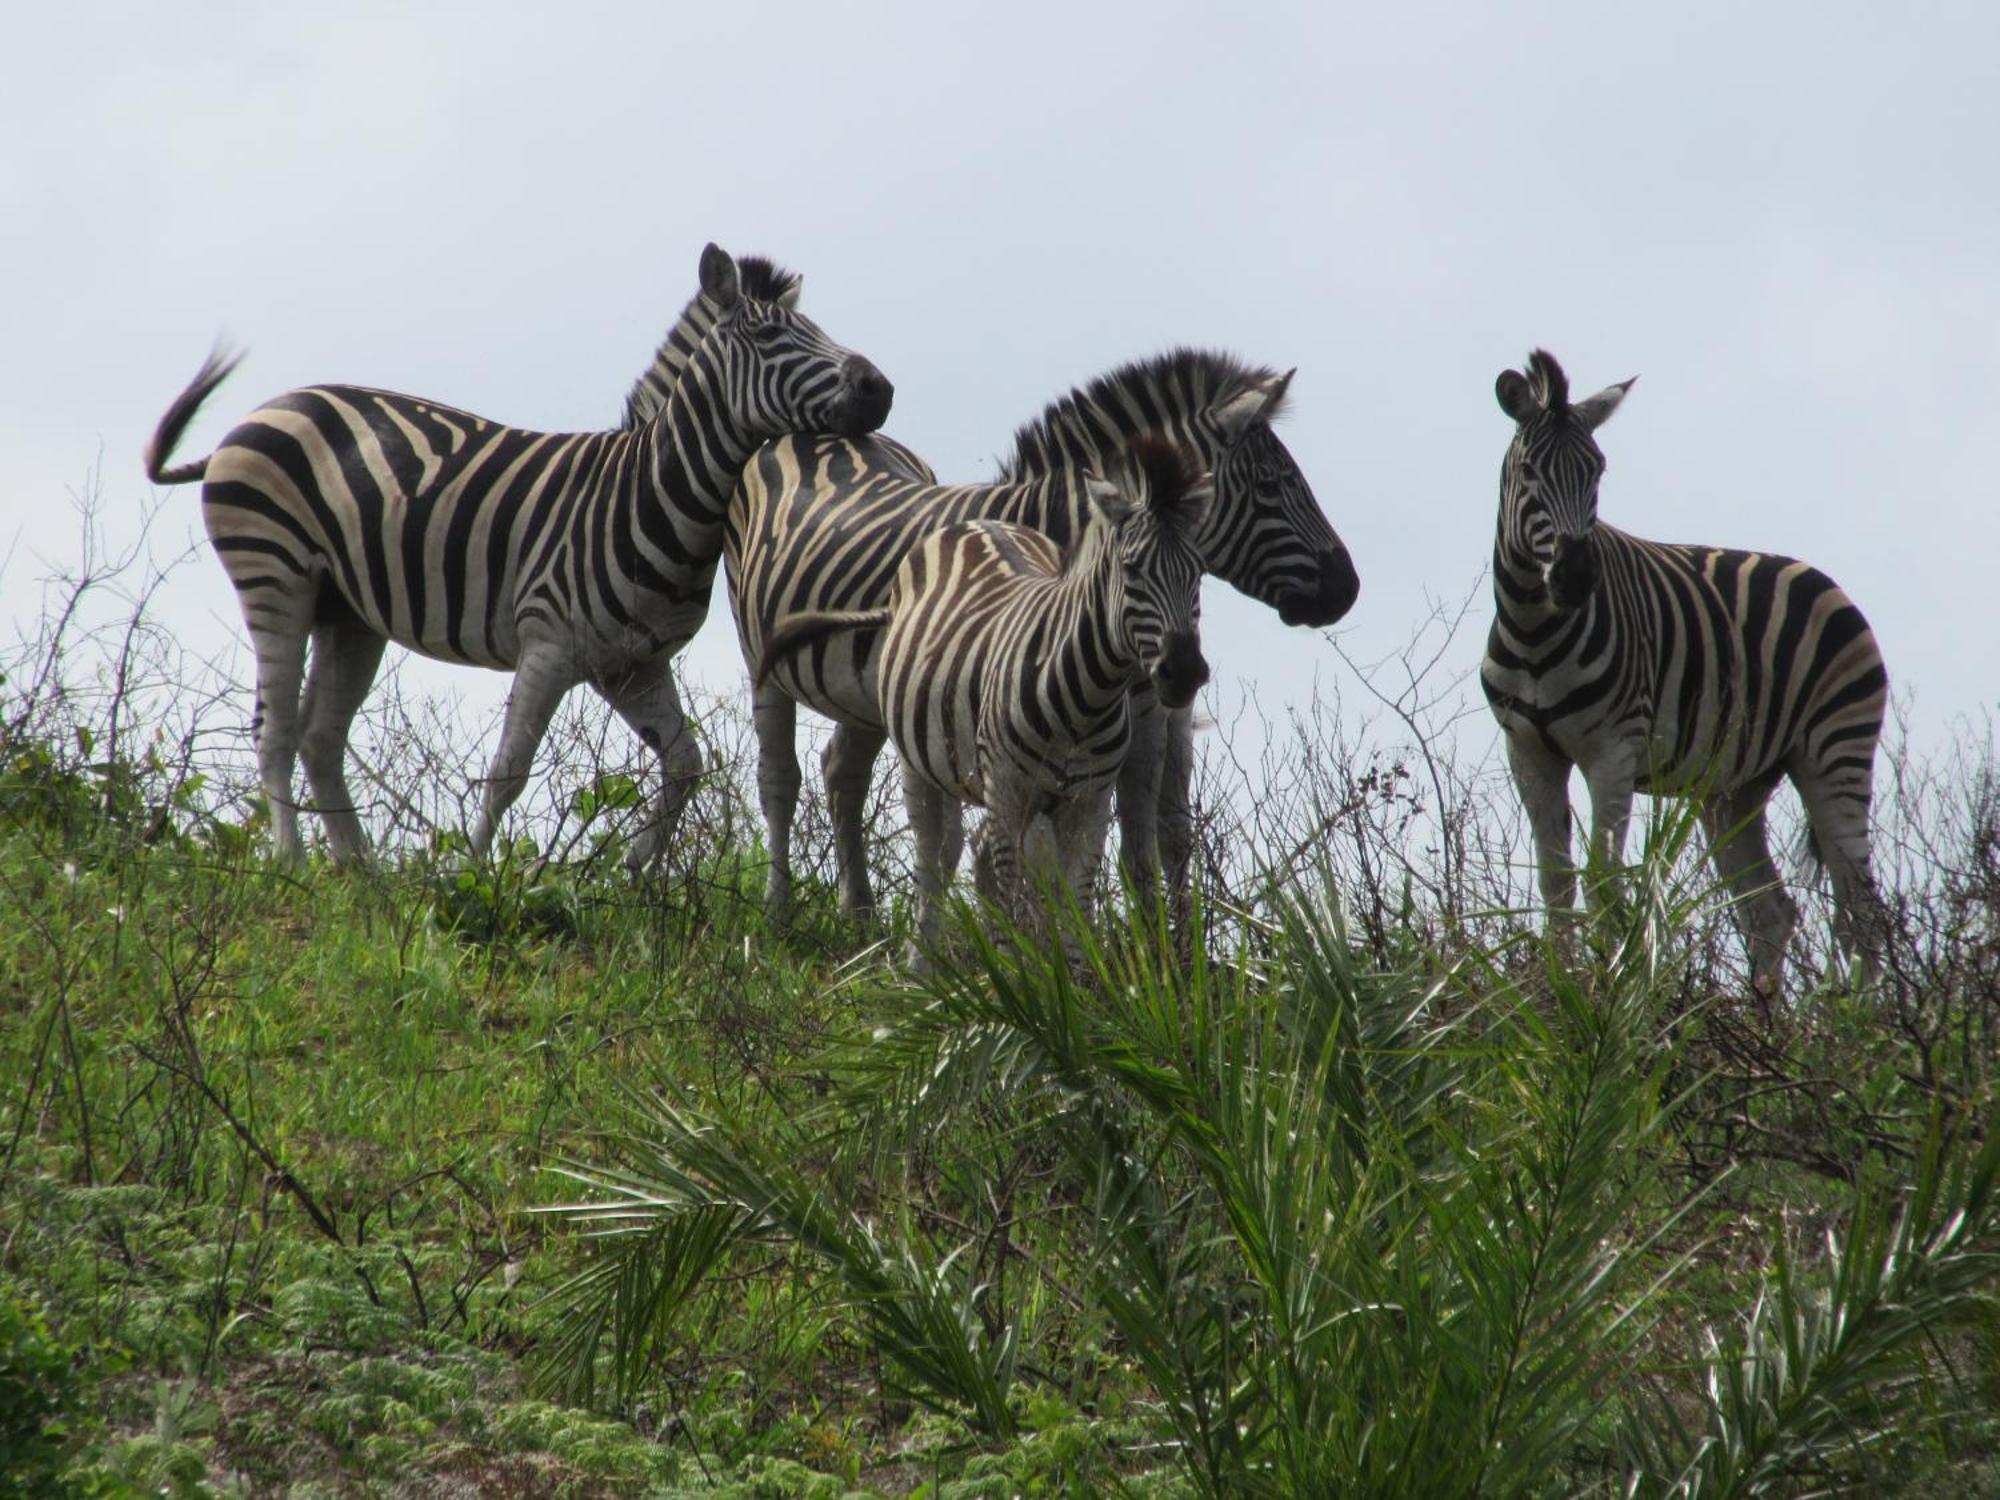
(43, 1397)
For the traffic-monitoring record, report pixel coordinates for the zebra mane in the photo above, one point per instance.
(1144, 395)
(1547, 382)
(760, 279)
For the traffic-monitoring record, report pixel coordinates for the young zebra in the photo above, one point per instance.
(1673, 670)
(1006, 668)
(819, 524)
(353, 517)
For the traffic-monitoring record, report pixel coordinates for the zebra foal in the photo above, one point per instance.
(1676, 671)
(1006, 668)
(349, 518)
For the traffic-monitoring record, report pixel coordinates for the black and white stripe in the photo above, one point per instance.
(1673, 670)
(1006, 666)
(820, 524)
(350, 517)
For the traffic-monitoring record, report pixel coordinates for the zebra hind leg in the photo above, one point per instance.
(647, 700)
(345, 657)
(849, 768)
(279, 630)
(1837, 813)
(930, 810)
(775, 716)
(1739, 843)
(540, 680)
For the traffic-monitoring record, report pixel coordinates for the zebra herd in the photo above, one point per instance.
(1026, 643)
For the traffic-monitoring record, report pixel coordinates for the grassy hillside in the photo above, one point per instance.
(444, 1179)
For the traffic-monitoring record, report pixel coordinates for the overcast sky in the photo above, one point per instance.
(1784, 218)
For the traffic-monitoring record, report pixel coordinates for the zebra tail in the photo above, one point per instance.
(802, 630)
(214, 370)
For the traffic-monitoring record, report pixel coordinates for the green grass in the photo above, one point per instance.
(524, 1181)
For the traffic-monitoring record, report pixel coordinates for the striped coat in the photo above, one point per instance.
(351, 517)
(1006, 666)
(1674, 670)
(819, 524)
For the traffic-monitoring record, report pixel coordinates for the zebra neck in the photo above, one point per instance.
(663, 512)
(1092, 664)
(698, 448)
(653, 389)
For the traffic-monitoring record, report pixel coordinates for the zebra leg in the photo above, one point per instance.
(1000, 858)
(849, 769)
(647, 699)
(279, 631)
(1837, 813)
(1082, 825)
(1542, 778)
(1139, 792)
(540, 680)
(1739, 842)
(925, 804)
(1177, 812)
(345, 657)
(776, 717)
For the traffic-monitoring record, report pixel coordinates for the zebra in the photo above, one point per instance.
(352, 517)
(820, 523)
(1006, 666)
(1676, 671)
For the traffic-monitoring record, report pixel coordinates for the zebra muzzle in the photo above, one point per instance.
(1572, 571)
(1180, 671)
(868, 398)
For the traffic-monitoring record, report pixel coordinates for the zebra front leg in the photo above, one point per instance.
(647, 699)
(1612, 781)
(776, 717)
(1139, 792)
(1082, 823)
(1739, 844)
(1177, 814)
(1542, 778)
(1000, 857)
(540, 680)
(849, 769)
(345, 657)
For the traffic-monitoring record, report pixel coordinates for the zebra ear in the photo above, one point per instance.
(719, 281)
(1516, 398)
(1258, 401)
(1108, 501)
(789, 297)
(1593, 410)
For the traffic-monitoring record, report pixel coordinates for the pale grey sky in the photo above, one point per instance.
(1784, 218)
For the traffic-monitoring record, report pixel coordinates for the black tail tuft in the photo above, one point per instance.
(214, 370)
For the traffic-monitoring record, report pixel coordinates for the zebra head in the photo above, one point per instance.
(781, 373)
(1265, 533)
(1548, 481)
(1156, 512)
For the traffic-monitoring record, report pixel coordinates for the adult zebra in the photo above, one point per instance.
(1006, 668)
(352, 517)
(1673, 670)
(821, 523)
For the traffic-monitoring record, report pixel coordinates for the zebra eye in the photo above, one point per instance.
(768, 335)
